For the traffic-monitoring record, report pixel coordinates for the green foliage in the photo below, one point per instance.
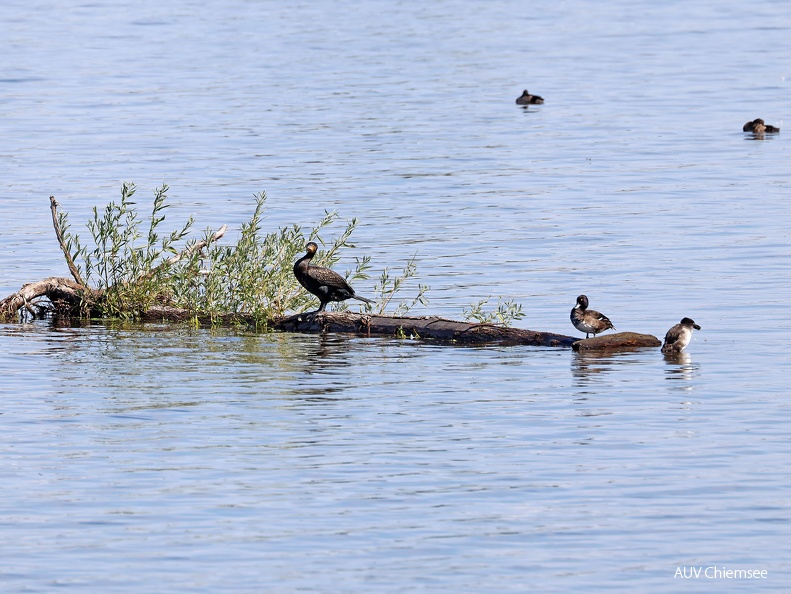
(127, 273)
(504, 315)
(254, 277)
(387, 287)
(135, 269)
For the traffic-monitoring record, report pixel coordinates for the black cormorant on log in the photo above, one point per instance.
(324, 283)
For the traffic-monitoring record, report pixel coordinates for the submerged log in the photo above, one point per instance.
(619, 340)
(418, 327)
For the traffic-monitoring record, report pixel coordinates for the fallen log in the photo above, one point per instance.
(619, 340)
(345, 322)
(69, 294)
(65, 298)
(424, 327)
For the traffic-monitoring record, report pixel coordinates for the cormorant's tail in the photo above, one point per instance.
(363, 299)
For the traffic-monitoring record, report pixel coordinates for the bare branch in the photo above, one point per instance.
(197, 246)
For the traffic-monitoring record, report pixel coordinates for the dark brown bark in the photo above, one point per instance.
(379, 325)
(619, 340)
(419, 327)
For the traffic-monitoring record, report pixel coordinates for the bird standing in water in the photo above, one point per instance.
(324, 283)
(678, 337)
(587, 320)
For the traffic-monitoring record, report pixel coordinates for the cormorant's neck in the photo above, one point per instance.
(304, 261)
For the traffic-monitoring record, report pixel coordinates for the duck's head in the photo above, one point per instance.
(582, 302)
(689, 323)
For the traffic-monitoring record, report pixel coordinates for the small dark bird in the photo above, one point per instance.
(587, 320)
(678, 337)
(528, 99)
(757, 126)
(324, 283)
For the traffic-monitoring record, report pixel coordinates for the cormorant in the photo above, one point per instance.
(528, 99)
(678, 337)
(587, 320)
(323, 282)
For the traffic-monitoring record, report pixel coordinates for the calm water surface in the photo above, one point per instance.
(151, 459)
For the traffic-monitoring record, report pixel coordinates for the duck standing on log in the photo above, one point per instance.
(587, 320)
(324, 283)
(678, 337)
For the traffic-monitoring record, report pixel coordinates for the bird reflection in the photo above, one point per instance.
(680, 367)
(324, 358)
(587, 363)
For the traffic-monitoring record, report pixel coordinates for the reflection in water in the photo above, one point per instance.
(324, 361)
(680, 367)
(587, 364)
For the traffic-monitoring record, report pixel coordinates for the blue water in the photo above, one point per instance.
(162, 458)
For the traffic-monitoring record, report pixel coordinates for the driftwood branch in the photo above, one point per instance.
(186, 252)
(196, 246)
(65, 295)
(68, 296)
(53, 206)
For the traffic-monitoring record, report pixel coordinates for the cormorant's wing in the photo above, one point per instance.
(330, 278)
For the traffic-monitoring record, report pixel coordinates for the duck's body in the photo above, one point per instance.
(758, 126)
(678, 337)
(527, 99)
(587, 320)
(324, 283)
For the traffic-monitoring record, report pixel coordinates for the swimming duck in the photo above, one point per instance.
(528, 99)
(324, 283)
(678, 337)
(758, 126)
(587, 320)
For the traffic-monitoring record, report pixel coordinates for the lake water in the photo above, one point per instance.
(167, 459)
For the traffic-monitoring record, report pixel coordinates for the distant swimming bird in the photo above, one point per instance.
(324, 283)
(528, 99)
(587, 320)
(678, 337)
(757, 126)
